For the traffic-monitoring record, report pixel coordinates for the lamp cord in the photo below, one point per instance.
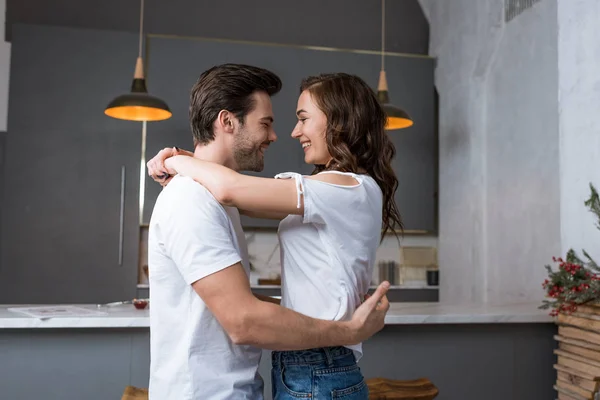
(141, 28)
(382, 34)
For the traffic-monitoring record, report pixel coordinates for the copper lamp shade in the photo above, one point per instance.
(397, 118)
(138, 105)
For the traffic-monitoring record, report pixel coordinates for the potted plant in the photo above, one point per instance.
(575, 282)
(573, 295)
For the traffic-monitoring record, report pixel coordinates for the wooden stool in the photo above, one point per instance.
(133, 393)
(388, 389)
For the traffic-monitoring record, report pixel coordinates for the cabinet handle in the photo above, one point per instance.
(122, 215)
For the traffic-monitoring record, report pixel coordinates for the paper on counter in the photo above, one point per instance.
(45, 312)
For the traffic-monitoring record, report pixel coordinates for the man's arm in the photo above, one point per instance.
(263, 215)
(195, 231)
(267, 298)
(250, 321)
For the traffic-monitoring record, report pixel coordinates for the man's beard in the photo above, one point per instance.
(247, 156)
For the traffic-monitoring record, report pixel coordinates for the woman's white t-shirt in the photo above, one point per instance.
(328, 254)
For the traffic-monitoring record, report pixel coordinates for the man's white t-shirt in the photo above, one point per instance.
(192, 236)
(328, 254)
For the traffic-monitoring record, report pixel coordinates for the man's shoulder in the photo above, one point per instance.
(185, 190)
(183, 193)
(185, 185)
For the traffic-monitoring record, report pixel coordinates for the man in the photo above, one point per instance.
(207, 328)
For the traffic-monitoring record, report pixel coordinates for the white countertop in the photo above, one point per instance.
(437, 313)
(124, 316)
(400, 314)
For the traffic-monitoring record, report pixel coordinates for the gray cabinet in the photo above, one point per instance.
(62, 236)
(174, 64)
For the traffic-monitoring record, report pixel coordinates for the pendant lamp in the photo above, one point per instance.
(397, 118)
(138, 105)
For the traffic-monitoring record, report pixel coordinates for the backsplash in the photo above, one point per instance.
(264, 252)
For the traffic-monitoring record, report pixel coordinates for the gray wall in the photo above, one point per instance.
(333, 23)
(499, 164)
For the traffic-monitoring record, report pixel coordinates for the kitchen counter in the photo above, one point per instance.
(127, 316)
(438, 313)
(123, 316)
(465, 350)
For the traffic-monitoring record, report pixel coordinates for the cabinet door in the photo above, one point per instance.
(71, 180)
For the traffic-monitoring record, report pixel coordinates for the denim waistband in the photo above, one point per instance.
(310, 356)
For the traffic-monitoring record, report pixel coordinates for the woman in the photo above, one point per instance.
(331, 222)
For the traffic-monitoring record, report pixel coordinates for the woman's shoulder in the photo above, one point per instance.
(337, 178)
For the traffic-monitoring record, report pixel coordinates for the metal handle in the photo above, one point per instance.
(122, 215)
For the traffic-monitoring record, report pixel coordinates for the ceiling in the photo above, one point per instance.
(353, 24)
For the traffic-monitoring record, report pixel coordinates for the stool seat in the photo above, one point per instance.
(379, 389)
(389, 389)
(134, 393)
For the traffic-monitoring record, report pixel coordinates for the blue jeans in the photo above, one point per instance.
(326, 373)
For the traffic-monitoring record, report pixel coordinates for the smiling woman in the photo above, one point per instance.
(354, 134)
(310, 130)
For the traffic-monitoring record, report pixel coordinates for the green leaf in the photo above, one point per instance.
(593, 204)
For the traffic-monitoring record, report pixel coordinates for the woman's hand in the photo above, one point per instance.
(157, 169)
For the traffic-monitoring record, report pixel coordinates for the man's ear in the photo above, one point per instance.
(226, 121)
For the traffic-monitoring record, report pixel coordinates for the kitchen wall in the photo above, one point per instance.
(500, 192)
(358, 27)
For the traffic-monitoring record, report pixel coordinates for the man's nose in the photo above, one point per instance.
(272, 136)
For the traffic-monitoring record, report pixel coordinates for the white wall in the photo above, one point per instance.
(458, 35)
(499, 168)
(579, 107)
(522, 156)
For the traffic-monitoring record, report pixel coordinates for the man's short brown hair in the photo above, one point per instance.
(226, 87)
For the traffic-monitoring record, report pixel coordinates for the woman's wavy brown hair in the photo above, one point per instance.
(355, 135)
